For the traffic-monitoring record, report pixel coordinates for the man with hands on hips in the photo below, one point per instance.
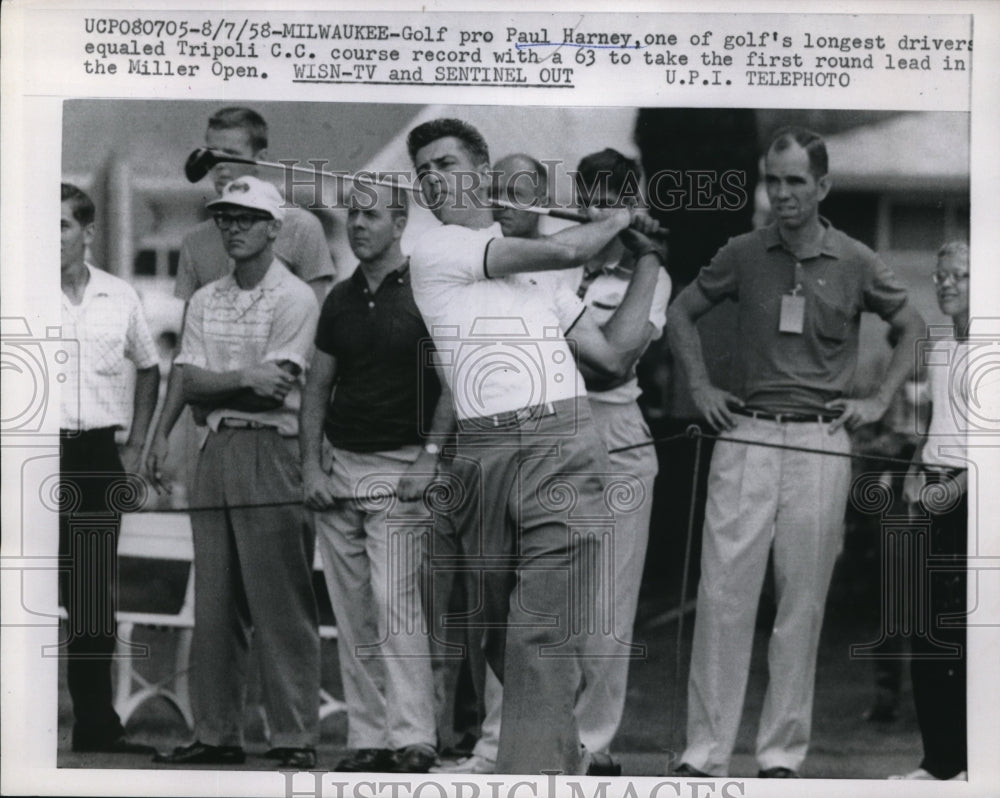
(800, 287)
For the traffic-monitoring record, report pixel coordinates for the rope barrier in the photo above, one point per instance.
(849, 455)
(692, 433)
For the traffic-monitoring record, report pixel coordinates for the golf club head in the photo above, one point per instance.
(201, 161)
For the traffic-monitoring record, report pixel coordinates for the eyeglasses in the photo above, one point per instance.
(243, 221)
(940, 278)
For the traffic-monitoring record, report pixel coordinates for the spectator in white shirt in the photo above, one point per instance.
(103, 315)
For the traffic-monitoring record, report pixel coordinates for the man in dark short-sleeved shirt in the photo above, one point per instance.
(379, 400)
(368, 353)
(800, 287)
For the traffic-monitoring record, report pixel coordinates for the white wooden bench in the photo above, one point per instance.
(167, 536)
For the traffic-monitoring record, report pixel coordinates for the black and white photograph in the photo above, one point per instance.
(407, 421)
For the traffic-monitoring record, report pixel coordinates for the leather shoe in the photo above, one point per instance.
(199, 753)
(462, 749)
(366, 760)
(119, 745)
(922, 775)
(417, 758)
(603, 765)
(686, 771)
(777, 773)
(475, 764)
(294, 758)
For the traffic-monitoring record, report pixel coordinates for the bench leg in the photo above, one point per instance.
(124, 673)
(127, 699)
(182, 687)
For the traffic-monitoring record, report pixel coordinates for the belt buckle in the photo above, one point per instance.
(522, 414)
(241, 423)
(535, 412)
(503, 419)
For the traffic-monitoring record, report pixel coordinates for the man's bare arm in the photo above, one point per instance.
(569, 247)
(173, 406)
(611, 351)
(601, 379)
(685, 344)
(909, 326)
(269, 381)
(315, 399)
(147, 388)
(421, 472)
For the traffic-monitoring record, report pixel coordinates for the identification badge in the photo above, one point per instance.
(793, 313)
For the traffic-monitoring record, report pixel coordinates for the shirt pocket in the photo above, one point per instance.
(109, 351)
(830, 323)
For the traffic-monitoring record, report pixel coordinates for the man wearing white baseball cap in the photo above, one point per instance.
(247, 341)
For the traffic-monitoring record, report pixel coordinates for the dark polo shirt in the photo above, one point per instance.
(796, 373)
(385, 388)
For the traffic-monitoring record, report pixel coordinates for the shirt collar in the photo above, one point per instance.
(97, 285)
(829, 245)
(271, 278)
(623, 267)
(402, 274)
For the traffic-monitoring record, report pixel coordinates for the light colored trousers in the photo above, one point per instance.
(607, 650)
(762, 499)
(372, 553)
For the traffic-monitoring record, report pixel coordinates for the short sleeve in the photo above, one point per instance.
(883, 292)
(305, 252)
(451, 253)
(186, 282)
(568, 307)
(661, 296)
(325, 337)
(720, 278)
(139, 345)
(293, 328)
(193, 338)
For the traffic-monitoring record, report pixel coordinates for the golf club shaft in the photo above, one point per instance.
(215, 156)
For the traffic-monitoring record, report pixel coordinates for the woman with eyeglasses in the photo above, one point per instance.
(936, 487)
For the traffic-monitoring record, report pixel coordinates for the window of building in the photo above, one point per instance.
(917, 227)
(145, 263)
